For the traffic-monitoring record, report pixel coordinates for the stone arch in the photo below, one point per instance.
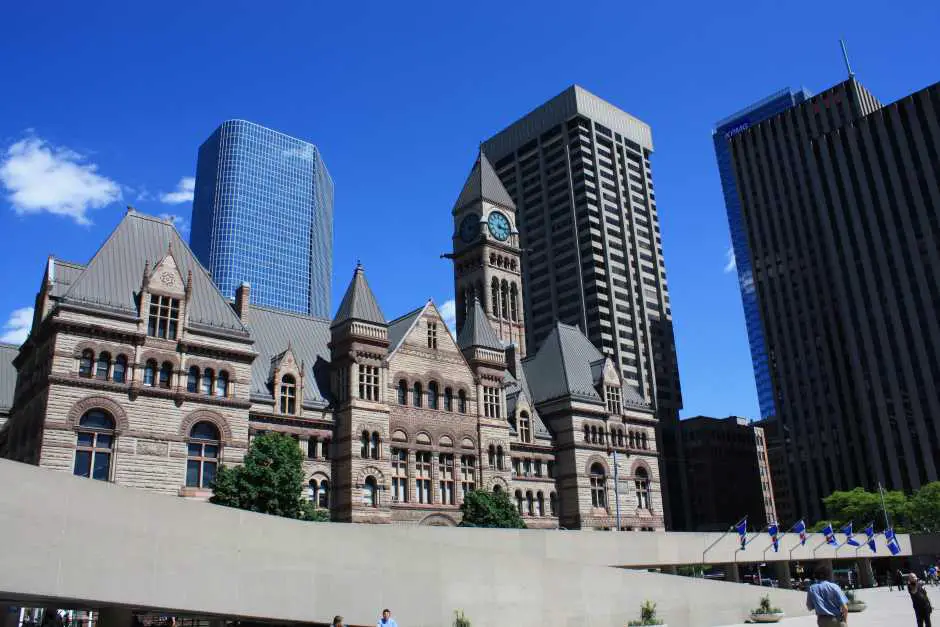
(437, 520)
(370, 471)
(596, 459)
(637, 464)
(446, 441)
(206, 415)
(319, 475)
(399, 436)
(95, 347)
(467, 442)
(498, 481)
(423, 438)
(99, 402)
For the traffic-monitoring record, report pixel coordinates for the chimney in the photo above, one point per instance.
(512, 360)
(242, 292)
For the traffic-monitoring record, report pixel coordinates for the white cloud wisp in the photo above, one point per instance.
(16, 329)
(730, 262)
(449, 314)
(183, 193)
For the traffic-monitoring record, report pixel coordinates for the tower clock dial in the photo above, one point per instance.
(470, 227)
(499, 226)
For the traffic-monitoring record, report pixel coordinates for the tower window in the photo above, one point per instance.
(432, 335)
(368, 382)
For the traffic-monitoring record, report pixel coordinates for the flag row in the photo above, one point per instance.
(773, 529)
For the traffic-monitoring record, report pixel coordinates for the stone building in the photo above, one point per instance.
(139, 371)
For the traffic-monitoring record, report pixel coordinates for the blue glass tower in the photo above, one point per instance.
(724, 130)
(263, 214)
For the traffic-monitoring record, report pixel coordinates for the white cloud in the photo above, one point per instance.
(184, 192)
(449, 314)
(17, 326)
(39, 176)
(178, 221)
(730, 265)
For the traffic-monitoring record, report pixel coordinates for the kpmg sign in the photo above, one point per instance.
(741, 126)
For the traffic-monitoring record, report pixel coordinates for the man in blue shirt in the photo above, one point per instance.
(827, 600)
(387, 620)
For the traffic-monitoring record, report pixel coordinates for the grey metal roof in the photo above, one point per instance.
(359, 302)
(308, 337)
(112, 278)
(477, 330)
(483, 184)
(519, 388)
(7, 376)
(64, 274)
(399, 327)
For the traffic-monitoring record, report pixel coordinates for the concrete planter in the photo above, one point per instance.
(766, 618)
(857, 606)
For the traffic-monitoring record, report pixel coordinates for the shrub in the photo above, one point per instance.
(647, 615)
(765, 606)
(460, 619)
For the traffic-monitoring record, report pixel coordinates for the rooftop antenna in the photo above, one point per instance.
(845, 57)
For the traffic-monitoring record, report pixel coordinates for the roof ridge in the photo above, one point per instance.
(411, 326)
(405, 315)
(284, 312)
(74, 264)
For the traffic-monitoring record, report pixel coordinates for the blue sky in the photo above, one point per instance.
(104, 104)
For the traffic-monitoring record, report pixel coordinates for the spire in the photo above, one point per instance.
(359, 302)
(845, 57)
(484, 184)
(477, 330)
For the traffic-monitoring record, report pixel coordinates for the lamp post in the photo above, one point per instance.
(611, 450)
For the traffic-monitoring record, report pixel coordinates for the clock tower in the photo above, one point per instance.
(486, 254)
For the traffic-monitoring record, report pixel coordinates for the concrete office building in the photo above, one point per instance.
(577, 170)
(263, 213)
(840, 196)
(728, 473)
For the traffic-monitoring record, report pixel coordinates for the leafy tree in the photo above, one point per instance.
(861, 507)
(924, 508)
(269, 482)
(490, 509)
(311, 512)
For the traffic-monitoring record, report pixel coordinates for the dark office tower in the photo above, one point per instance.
(577, 169)
(724, 131)
(263, 214)
(841, 198)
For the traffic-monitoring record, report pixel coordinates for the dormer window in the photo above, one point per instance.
(164, 317)
(525, 429)
(288, 394)
(612, 395)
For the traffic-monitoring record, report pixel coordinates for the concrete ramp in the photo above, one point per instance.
(67, 538)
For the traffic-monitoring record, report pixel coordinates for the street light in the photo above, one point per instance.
(613, 451)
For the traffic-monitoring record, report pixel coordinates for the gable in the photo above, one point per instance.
(411, 332)
(166, 278)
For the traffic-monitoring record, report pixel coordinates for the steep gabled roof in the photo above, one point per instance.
(477, 330)
(308, 338)
(483, 183)
(63, 274)
(112, 278)
(359, 302)
(518, 389)
(399, 327)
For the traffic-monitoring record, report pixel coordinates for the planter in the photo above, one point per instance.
(856, 606)
(766, 618)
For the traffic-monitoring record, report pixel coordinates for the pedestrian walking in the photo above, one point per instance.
(922, 607)
(338, 621)
(386, 620)
(827, 600)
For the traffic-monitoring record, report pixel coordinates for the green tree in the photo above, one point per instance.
(490, 509)
(269, 482)
(924, 508)
(861, 507)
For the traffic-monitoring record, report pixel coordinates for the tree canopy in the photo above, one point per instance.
(269, 482)
(919, 512)
(490, 509)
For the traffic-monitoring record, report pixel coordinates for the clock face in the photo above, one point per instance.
(499, 226)
(470, 227)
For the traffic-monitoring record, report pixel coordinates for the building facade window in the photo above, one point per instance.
(192, 380)
(399, 475)
(494, 296)
(432, 335)
(598, 486)
(530, 503)
(313, 444)
(462, 402)
(423, 476)
(491, 405)
(642, 484)
(86, 363)
(553, 503)
(491, 456)
(467, 474)
(402, 392)
(504, 300)
(102, 366)
(432, 395)
(613, 400)
(448, 399)
(202, 456)
(539, 504)
(150, 373)
(288, 394)
(364, 441)
(368, 382)
(416, 393)
(513, 303)
(221, 384)
(525, 428)
(120, 369)
(166, 375)
(94, 445)
(319, 493)
(446, 478)
(500, 460)
(207, 380)
(370, 492)
(519, 502)
(375, 447)
(164, 317)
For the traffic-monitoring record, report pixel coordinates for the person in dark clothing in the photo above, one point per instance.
(922, 607)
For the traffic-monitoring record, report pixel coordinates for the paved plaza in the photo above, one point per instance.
(885, 607)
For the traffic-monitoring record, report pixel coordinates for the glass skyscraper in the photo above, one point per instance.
(263, 214)
(724, 131)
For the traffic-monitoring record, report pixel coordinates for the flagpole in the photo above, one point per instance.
(883, 506)
(712, 545)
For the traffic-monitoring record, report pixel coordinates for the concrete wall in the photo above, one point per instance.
(70, 538)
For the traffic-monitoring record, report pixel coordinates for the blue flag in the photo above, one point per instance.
(847, 530)
(741, 528)
(773, 531)
(870, 532)
(893, 546)
(800, 528)
(830, 536)
(889, 533)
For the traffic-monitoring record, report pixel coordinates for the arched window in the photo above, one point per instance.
(620, 437)
(93, 446)
(587, 433)
(632, 440)
(416, 394)
(86, 363)
(288, 394)
(364, 445)
(207, 376)
(402, 392)
(374, 448)
(120, 369)
(504, 299)
(202, 455)
(530, 502)
(370, 493)
(598, 486)
(540, 504)
(553, 503)
(166, 375)
(448, 399)
(312, 491)
(221, 384)
(432, 395)
(519, 502)
(491, 456)
(101, 368)
(497, 489)
(594, 434)
(462, 402)
(513, 303)
(494, 296)
(646, 443)
(525, 427)
(499, 458)
(323, 494)
(150, 372)
(192, 380)
(642, 483)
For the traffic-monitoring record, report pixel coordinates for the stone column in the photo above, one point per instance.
(732, 573)
(866, 576)
(782, 570)
(115, 617)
